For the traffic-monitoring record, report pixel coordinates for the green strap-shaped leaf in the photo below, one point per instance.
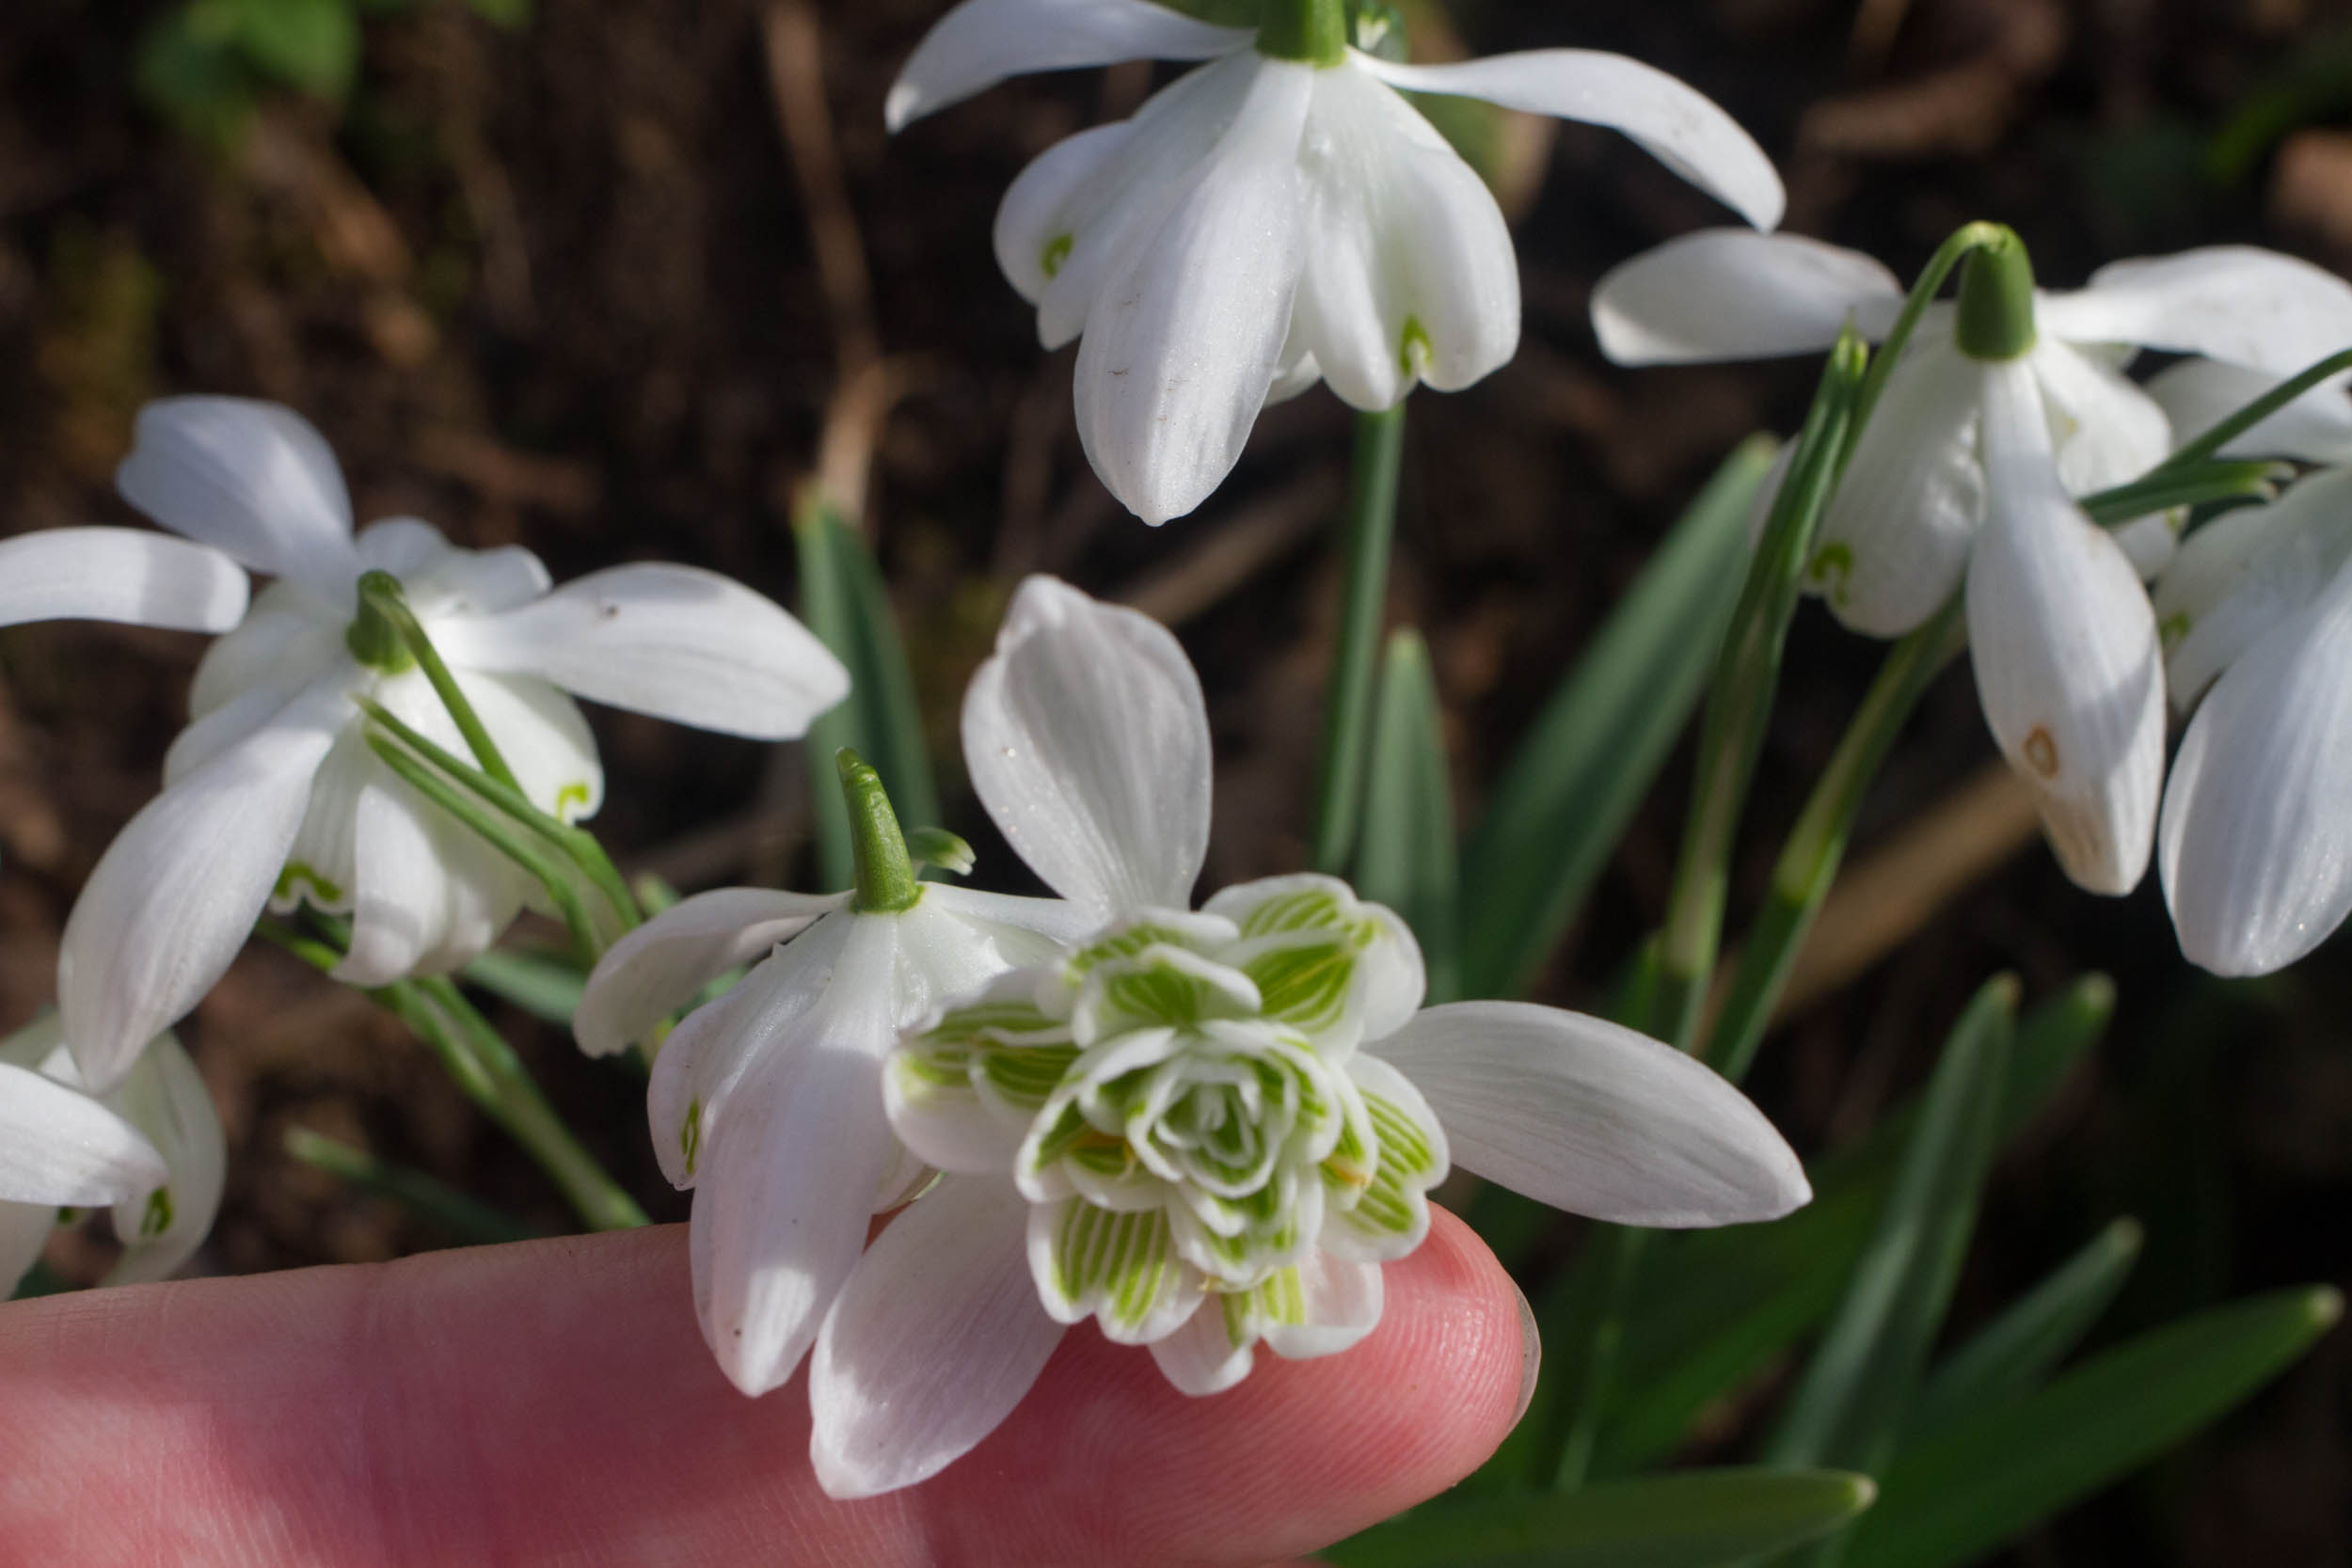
(2010, 1356)
(1996, 1473)
(1857, 1386)
(1406, 858)
(1690, 1520)
(1560, 807)
(845, 604)
(465, 1220)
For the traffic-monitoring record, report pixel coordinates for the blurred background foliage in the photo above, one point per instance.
(625, 278)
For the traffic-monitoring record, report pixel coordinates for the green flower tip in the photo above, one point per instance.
(1995, 319)
(2324, 1305)
(1311, 32)
(375, 635)
(886, 871)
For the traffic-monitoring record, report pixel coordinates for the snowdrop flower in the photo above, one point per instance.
(152, 1151)
(1998, 413)
(1206, 1130)
(2255, 842)
(768, 1102)
(1279, 216)
(2198, 394)
(118, 574)
(272, 795)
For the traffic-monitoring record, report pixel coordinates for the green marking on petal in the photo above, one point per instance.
(1118, 1265)
(1394, 1202)
(1413, 346)
(1307, 985)
(1280, 1299)
(690, 1136)
(1832, 570)
(301, 879)
(571, 799)
(1124, 942)
(1056, 251)
(1025, 1075)
(2173, 627)
(156, 1219)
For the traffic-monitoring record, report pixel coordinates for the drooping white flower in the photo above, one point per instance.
(152, 1151)
(768, 1102)
(1279, 216)
(1206, 1130)
(2255, 841)
(272, 795)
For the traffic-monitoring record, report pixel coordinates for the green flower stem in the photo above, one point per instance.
(886, 872)
(486, 1069)
(1368, 531)
(380, 594)
(1816, 846)
(1313, 32)
(1968, 237)
(2251, 415)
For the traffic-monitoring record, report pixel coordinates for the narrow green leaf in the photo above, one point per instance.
(541, 984)
(1688, 1520)
(1367, 534)
(1996, 1473)
(1859, 1382)
(1406, 857)
(1561, 805)
(463, 1219)
(41, 1280)
(2011, 1355)
(845, 603)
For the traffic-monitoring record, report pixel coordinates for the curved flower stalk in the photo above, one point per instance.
(272, 795)
(2255, 841)
(152, 1151)
(1997, 414)
(1206, 1130)
(1281, 216)
(768, 1102)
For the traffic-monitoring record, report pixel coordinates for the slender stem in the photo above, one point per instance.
(380, 592)
(1369, 530)
(2168, 487)
(2252, 414)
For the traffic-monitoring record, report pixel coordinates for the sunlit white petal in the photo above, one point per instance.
(1732, 293)
(166, 1098)
(2246, 572)
(59, 1145)
(2198, 394)
(251, 479)
(663, 964)
(118, 574)
(981, 42)
(2248, 305)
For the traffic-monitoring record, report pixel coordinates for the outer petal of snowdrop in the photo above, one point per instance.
(981, 42)
(59, 1145)
(2246, 572)
(2236, 303)
(663, 964)
(2198, 394)
(1732, 293)
(118, 574)
(251, 479)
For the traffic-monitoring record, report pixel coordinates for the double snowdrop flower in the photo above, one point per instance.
(272, 795)
(150, 1150)
(768, 1102)
(2255, 841)
(1996, 415)
(1282, 214)
(1206, 1130)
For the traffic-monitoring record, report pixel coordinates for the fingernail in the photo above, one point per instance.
(1531, 1354)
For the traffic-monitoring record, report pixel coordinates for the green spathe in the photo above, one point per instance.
(886, 872)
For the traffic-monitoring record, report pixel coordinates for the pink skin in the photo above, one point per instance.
(552, 1403)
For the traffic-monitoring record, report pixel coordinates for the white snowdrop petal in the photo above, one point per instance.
(1585, 1115)
(1205, 1356)
(1674, 123)
(2198, 394)
(2239, 302)
(426, 894)
(1025, 931)
(2255, 844)
(2064, 647)
(1035, 231)
(165, 1099)
(1342, 1303)
(1894, 541)
(284, 643)
(175, 895)
(2245, 572)
(254, 480)
(675, 642)
(59, 1145)
(1410, 274)
(1087, 741)
(2104, 430)
(440, 579)
(118, 574)
(981, 42)
(1732, 293)
(933, 1340)
(663, 964)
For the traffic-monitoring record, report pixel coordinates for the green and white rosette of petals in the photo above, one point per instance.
(1205, 1129)
(150, 1150)
(272, 795)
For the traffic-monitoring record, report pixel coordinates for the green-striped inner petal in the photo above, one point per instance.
(1120, 1265)
(1394, 1202)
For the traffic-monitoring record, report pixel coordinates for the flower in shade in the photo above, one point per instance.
(272, 795)
(1206, 1130)
(1283, 213)
(1965, 470)
(150, 1150)
(2255, 841)
(768, 1102)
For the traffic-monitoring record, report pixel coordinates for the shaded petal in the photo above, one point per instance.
(1320, 1306)
(665, 964)
(1676, 124)
(58, 1145)
(1410, 275)
(2105, 429)
(1895, 538)
(1087, 741)
(1582, 1115)
(165, 1098)
(440, 579)
(1038, 222)
(286, 640)
(118, 574)
(2256, 841)
(936, 1337)
(1186, 333)
(2239, 302)
(1732, 293)
(2198, 394)
(1342, 1304)
(2064, 647)
(675, 642)
(175, 895)
(1027, 931)
(252, 479)
(426, 894)
(2246, 572)
(981, 42)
